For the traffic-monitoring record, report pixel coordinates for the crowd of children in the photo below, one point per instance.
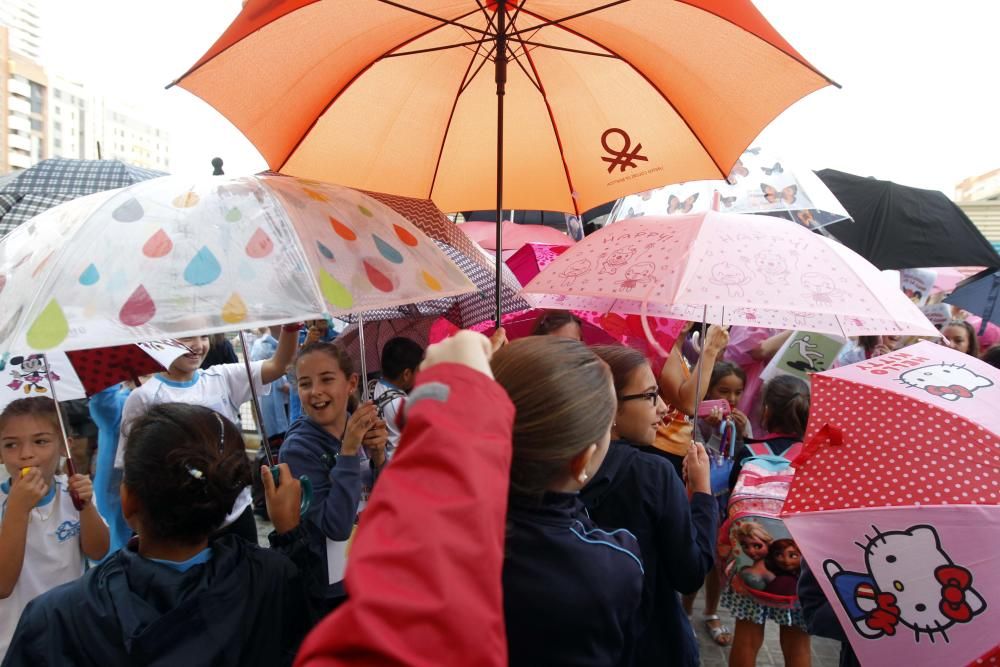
(601, 527)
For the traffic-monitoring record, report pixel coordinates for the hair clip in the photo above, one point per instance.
(194, 472)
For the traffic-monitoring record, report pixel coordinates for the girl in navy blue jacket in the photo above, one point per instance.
(173, 595)
(571, 590)
(642, 492)
(339, 451)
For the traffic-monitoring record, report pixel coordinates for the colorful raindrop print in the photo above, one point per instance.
(234, 215)
(326, 252)
(41, 265)
(129, 211)
(260, 244)
(139, 308)
(376, 277)
(387, 250)
(343, 231)
(404, 235)
(203, 268)
(365, 212)
(234, 310)
(431, 281)
(49, 329)
(158, 245)
(90, 276)
(318, 196)
(334, 292)
(186, 200)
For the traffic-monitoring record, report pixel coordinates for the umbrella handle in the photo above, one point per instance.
(307, 490)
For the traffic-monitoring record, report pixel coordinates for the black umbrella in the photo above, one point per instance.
(899, 227)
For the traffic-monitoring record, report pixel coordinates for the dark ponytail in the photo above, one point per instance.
(186, 464)
(786, 399)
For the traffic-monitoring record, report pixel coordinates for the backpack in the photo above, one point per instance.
(391, 394)
(758, 556)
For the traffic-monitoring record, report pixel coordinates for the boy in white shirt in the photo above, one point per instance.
(223, 388)
(401, 357)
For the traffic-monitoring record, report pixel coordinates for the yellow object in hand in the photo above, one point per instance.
(25, 471)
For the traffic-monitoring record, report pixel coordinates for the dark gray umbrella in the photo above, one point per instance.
(899, 227)
(979, 295)
(54, 181)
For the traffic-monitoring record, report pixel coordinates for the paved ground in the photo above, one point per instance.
(825, 652)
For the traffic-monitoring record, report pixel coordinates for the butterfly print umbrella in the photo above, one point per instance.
(760, 182)
(725, 268)
(174, 257)
(411, 97)
(896, 504)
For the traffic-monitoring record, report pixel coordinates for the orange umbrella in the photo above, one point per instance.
(603, 97)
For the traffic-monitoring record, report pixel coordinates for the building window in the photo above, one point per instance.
(57, 126)
(57, 143)
(36, 125)
(57, 94)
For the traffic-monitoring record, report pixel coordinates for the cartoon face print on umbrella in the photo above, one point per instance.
(640, 273)
(820, 287)
(948, 381)
(772, 267)
(31, 374)
(730, 275)
(618, 258)
(575, 270)
(909, 580)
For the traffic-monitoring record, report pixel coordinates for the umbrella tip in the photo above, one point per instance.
(217, 167)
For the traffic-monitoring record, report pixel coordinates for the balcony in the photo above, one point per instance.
(19, 123)
(18, 160)
(19, 87)
(19, 105)
(19, 141)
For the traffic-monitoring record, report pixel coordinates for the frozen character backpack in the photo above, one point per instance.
(759, 558)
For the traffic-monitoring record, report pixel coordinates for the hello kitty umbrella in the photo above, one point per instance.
(896, 504)
(724, 268)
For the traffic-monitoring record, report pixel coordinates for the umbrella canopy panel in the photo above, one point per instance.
(899, 227)
(602, 99)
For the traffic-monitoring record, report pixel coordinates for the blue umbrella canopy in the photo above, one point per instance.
(979, 295)
(51, 182)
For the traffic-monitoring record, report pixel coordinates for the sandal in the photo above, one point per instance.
(721, 635)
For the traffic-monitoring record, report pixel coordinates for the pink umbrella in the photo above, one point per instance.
(946, 279)
(749, 270)
(514, 235)
(896, 504)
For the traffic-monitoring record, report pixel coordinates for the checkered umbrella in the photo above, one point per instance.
(465, 310)
(50, 182)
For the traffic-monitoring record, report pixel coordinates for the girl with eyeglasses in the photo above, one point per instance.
(641, 492)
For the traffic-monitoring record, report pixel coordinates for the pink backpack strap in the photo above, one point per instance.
(793, 452)
(760, 449)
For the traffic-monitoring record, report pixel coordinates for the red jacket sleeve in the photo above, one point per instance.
(423, 574)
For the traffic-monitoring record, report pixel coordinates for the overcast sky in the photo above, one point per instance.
(919, 103)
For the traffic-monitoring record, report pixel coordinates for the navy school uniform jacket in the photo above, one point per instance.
(642, 493)
(245, 606)
(337, 483)
(571, 590)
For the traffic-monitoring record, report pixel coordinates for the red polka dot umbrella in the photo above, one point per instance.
(896, 504)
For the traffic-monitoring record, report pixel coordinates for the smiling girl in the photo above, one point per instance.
(341, 451)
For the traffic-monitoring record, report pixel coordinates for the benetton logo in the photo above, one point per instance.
(624, 157)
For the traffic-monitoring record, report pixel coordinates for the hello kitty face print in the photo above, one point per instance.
(948, 381)
(910, 581)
